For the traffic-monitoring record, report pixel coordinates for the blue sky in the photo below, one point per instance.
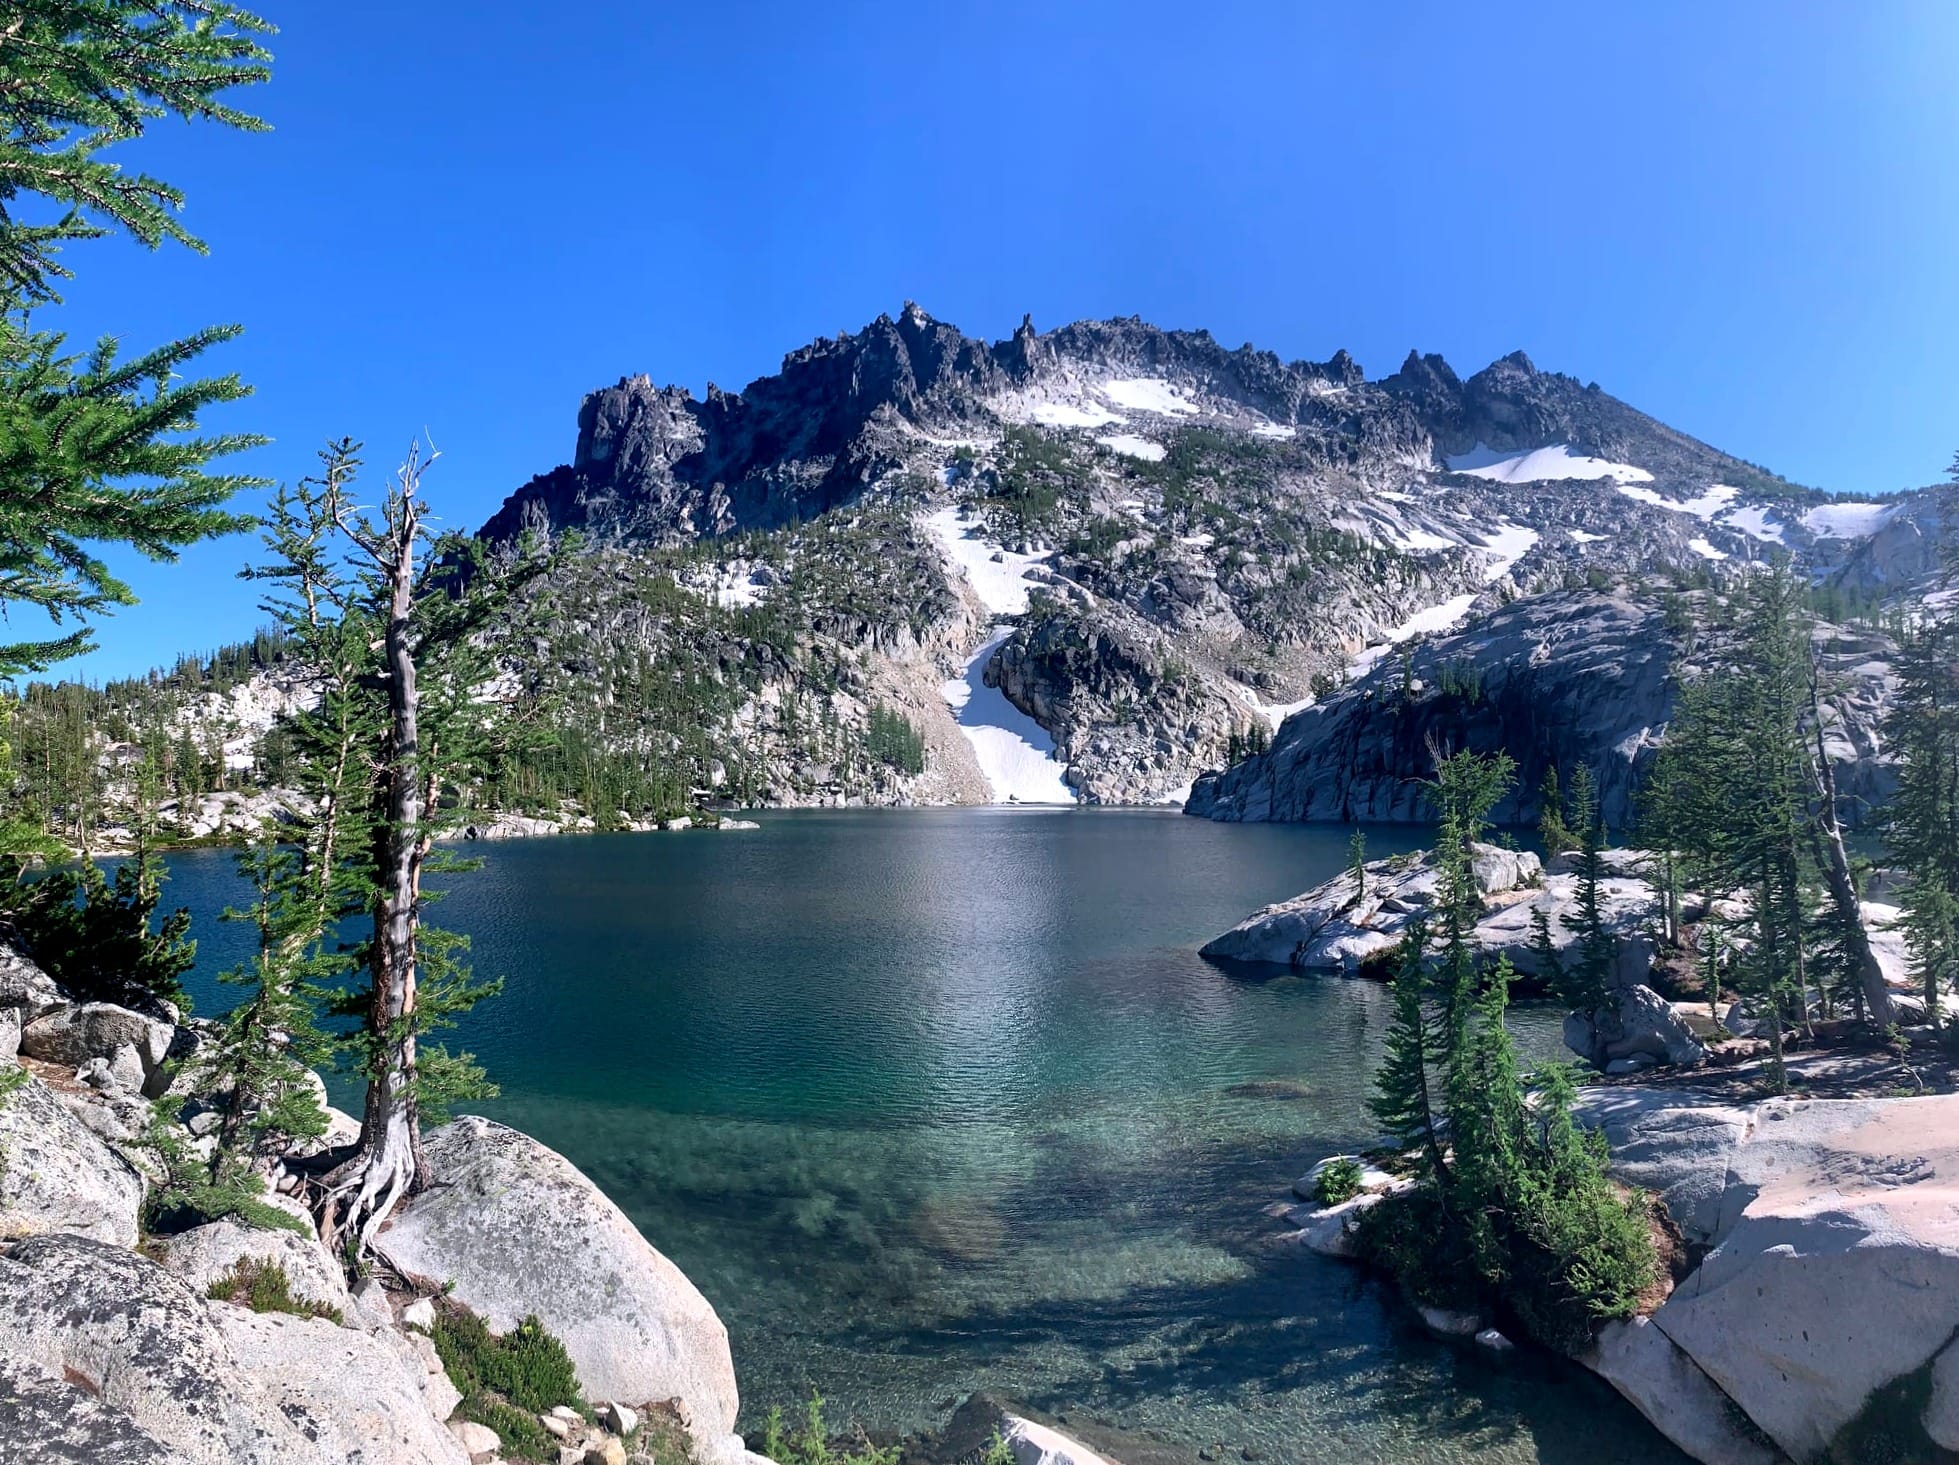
(1739, 217)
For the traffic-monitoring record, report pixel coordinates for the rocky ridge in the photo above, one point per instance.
(1091, 564)
(1190, 541)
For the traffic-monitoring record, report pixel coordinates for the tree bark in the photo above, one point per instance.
(386, 1163)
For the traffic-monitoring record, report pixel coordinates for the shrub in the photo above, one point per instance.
(188, 1191)
(811, 1445)
(95, 936)
(264, 1287)
(506, 1380)
(1338, 1180)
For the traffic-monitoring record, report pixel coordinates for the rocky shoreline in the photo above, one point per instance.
(119, 1346)
(1807, 1316)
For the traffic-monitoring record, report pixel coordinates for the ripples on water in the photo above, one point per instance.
(933, 1101)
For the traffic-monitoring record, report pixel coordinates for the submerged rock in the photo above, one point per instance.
(518, 1230)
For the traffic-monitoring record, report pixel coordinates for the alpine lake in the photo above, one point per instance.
(934, 1101)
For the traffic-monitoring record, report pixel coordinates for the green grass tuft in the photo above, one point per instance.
(264, 1287)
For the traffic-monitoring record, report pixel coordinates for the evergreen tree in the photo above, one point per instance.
(401, 651)
(1552, 832)
(1547, 965)
(1357, 864)
(95, 448)
(267, 1048)
(1465, 788)
(1485, 1097)
(1589, 979)
(1402, 1099)
(1922, 820)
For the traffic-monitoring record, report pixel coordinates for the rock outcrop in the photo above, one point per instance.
(515, 1229)
(1334, 928)
(217, 1384)
(50, 1421)
(1823, 1303)
(26, 992)
(56, 1175)
(129, 1047)
(1566, 679)
(204, 1254)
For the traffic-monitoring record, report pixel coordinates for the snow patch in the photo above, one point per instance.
(1067, 414)
(1754, 521)
(1135, 447)
(1705, 550)
(1274, 713)
(1015, 752)
(1509, 543)
(1847, 521)
(1148, 394)
(1443, 617)
(1199, 541)
(1703, 506)
(1579, 536)
(1273, 429)
(1415, 541)
(1542, 465)
(998, 576)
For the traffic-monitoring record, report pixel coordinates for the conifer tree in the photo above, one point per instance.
(1589, 978)
(1357, 864)
(1465, 788)
(97, 447)
(400, 628)
(1402, 1098)
(1922, 820)
(1552, 832)
(1547, 964)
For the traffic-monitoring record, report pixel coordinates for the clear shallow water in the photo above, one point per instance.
(934, 1101)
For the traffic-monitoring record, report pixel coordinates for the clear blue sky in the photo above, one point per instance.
(1738, 216)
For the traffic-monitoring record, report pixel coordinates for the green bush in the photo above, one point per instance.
(187, 1191)
(1338, 1180)
(96, 936)
(507, 1380)
(264, 1287)
(811, 1445)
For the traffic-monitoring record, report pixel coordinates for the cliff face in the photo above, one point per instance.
(1559, 680)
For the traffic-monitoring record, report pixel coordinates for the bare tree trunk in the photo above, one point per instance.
(1836, 870)
(387, 1162)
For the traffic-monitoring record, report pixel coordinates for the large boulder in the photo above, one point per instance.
(1680, 1401)
(26, 992)
(1825, 1300)
(76, 1036)
(205, 1254)
(515, 1229)
(56, 1175)
(143, 1340)
(217, 1383)
(46, 1420)
(1635, 1028)
(348, 1392)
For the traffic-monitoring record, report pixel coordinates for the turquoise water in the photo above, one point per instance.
(933, 1101)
